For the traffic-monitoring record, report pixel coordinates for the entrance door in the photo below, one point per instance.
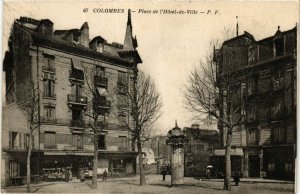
(254, 166)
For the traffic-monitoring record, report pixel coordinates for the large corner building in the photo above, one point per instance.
(264, 143)
(56, 62)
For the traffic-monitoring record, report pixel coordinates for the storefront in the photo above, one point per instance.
(279, 162)
(54, 164)
(217, 160)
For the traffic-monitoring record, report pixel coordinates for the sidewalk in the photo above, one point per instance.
(253, 180)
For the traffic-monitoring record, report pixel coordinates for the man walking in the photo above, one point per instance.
(104, 175)
(164, 172)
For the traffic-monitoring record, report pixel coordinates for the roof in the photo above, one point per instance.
(201, 133)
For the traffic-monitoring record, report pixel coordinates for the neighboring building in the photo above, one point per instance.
(199, 142)
(265, 142)
(157, 154)
(57, 62)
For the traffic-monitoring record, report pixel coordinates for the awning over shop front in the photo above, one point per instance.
(64, 153)
(221, 152)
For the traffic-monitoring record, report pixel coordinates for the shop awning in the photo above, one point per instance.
(64, 153)
(221, 152)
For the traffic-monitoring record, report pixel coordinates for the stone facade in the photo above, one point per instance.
(265, 141)
(63, 64)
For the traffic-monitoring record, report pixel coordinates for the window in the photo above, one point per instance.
(26, 141)
(100, 71)
(288, 167)
(101, 142)
(253, 137)
(49, 88)
(188, 148)
(13, 169)
(77, 141)
(122, 101)
(122, 78)
(13, 140)
(49, 63)
(271, 165)
(277, 108)
(50, 142)
(279, 46)
(278, 79)
(122, 119)
(77, 91)
(123, 143)
(252, 86)
(49, 112)
(252, 54)
(278, 135)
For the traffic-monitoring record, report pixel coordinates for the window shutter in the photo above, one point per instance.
(45, 88)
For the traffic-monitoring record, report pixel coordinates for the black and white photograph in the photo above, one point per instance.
(149, 97)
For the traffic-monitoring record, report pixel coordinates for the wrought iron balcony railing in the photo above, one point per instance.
(78, 99)
(77, 123)
(48, 68)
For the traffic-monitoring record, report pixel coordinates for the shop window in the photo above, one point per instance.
(288, 167)
(271, 165)
(119, 166)
(278, 135)
(13, 169)
(50, 140)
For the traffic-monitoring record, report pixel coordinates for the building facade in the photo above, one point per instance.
(63, 64)
(264, 143)
(199, 142)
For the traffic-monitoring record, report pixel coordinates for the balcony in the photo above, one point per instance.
(49, 95)
(76, 75)
(48, 68)
(100, 81)
(77, 100)
(77, 123)
(48, 120)
(102, 104)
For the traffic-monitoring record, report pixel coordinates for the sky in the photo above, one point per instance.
(170, 45)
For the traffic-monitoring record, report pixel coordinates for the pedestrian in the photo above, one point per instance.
(236, 178)
(208, 173)
(104, 175)
(164, 172)
(67, 175)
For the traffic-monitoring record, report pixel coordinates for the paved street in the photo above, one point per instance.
(156, 185)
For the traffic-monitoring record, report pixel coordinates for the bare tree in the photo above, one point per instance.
(214, 94)
(145, 103)
(30, 108)
(97, 109)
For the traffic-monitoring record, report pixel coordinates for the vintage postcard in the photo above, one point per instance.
(149, 97)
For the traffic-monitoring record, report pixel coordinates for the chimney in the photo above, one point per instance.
(85, 37)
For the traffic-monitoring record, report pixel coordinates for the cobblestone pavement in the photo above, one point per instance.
(156, 185)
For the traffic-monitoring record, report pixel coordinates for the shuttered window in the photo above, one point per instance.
(50, 140)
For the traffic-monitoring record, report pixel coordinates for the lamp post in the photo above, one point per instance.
(176, 141)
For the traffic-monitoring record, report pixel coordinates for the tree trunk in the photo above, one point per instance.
(227, 179)
(28, 165)
(95, 163)
(141, 167)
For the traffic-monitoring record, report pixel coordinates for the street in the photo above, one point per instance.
(156, 185)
